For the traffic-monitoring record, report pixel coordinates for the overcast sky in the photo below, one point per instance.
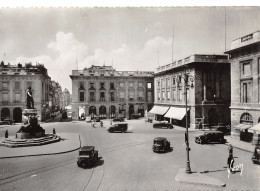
(130, 38)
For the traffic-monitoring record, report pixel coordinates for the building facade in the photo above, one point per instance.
(66, 98)
(55, 97)
(105, 92)
(208, 91)
(245, 84)
(14, 80)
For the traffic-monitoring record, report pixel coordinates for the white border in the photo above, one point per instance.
(125, 3)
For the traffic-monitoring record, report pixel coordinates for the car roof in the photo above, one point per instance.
(160, 139)
(213, 131)
(87, 148)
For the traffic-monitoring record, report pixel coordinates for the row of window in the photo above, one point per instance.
(175, 95)
(102, 97)
(5, 97)
(17, 85)
(121, 84)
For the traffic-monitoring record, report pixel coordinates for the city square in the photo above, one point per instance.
(130, 98)
(127, 163)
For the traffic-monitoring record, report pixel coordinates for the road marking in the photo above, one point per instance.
(33, 175)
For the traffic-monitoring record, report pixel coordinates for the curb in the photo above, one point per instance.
(45, 153)
(198, 179)
(240, 148)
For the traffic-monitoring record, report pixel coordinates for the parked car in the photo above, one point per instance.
(121, 119)
(161, 144)
(135, 116)
(64, 115)
(8, 121)
(96, 119)
(210, 137)
(118, 127)
(256, 155)
(223, 128)
(88, 157)
(88, 119)
(163, 125)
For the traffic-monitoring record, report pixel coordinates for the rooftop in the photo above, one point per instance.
(109, 71)
(19, 69)
(245, 40)
(191, 59)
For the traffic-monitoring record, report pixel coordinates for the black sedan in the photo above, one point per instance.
(121, 119)
(163, 125)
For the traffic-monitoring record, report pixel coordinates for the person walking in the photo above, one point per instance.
(230, 163)
(230, 150)
(101, 123)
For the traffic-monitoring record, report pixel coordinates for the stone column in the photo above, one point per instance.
(204, 87)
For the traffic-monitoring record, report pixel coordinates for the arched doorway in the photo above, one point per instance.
(102, 112)
(141, 109)
(245, 135)
(92, 111)
(5, 113)
(112, 111)
(131, 110)
(17, 115)
(122, 111)
(212, 117)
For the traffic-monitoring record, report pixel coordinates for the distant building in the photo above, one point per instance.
(245, 85)
(14, 80)
(105, 92)
(55, 96)
(66, 98)
(208, 91)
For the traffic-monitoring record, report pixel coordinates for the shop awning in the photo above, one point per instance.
(242, 126)
(256, 128)
(159, 110)
(176, 113)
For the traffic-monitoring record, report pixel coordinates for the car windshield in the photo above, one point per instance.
(158, 143)
(85, 152)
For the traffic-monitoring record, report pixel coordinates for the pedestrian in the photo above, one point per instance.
(93, 123)
(230, 150)
(230, 163)
(101, 124)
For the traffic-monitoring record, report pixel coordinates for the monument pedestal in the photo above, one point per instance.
(32, 128)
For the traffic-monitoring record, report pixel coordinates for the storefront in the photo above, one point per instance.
(159, 112)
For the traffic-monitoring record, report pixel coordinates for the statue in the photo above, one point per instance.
(33, 128)
(30, 102)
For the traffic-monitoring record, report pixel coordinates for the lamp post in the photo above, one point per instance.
(187, 78)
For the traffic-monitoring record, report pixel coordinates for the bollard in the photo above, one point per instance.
(54, 131)
(6, 134)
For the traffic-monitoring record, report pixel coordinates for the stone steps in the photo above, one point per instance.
(49, 138)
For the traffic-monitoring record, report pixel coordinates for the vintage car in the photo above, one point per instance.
(118, 127)
(163, 125)
(88, 157)
(256, 155)
(223, 128)
(96, 119)
(121, 119)
(210, 137)
(135, 116)
(88, 119)
(64, 115)
(161, 144)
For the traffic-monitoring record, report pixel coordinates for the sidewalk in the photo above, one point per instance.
(242, 145)
(69, 142)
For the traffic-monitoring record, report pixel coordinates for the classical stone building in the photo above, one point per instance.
(14, 80)
(105, 92)
(245, 84)
(208, 91)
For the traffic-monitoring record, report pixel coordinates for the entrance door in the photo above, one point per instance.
(5, 114)
(17, 115)
(212, 117)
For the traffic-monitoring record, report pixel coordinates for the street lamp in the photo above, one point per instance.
(187, 78)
